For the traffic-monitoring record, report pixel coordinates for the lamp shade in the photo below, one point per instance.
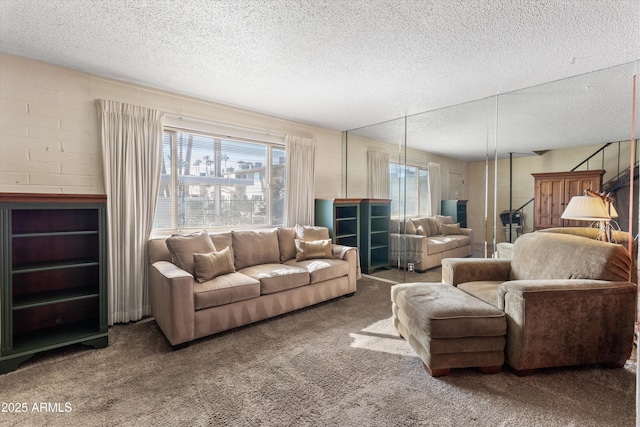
(586, 208)
(613, 213)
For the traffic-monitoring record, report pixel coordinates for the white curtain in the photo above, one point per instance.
(435, 193)
(132, 158)
(378, 180)
(300, 181)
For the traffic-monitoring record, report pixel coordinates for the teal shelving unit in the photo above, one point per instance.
(342, 218)
(374, 234)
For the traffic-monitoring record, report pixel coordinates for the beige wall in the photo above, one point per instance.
(356, 154)
(49, 140)
(560, 160)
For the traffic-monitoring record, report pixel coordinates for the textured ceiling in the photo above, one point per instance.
(338, 64)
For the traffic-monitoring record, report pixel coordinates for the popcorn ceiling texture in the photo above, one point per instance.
(337, 64)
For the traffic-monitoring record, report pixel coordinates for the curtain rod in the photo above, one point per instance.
(228, 125)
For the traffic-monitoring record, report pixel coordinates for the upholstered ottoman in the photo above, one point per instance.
(449, 328)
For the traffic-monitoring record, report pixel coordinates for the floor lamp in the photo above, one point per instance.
(595, 207)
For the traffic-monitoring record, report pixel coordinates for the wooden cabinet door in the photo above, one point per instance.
(549, 203)
(575, 186)
(554, 190)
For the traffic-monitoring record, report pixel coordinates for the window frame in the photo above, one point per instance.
(418, 196)
(268, 143)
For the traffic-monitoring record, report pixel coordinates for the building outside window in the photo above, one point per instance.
(208, 182)
(413, 183)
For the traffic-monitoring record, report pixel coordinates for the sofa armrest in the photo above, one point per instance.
(544, 289)
(171, 294)
(340, 251)
(567, 322)
(467, 232)
(408, 247)
(462, 270)
(352, 256)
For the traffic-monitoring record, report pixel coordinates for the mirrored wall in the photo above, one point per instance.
(482, 155)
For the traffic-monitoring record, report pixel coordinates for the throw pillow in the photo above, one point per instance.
(450, 229)
(311, 250)
(183, 246)
(424, 222)
(410, 228)
(311, 233)
(443, 219)
(286, 237)
(255, 247)
(213, 264)
(421, 231)
(433, 227)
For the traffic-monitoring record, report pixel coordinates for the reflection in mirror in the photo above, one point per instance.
(487, 151)
(423, 181)
(375, 170)
(430, 137)
(575, 124)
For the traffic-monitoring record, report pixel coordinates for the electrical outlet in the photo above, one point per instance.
(410, 267)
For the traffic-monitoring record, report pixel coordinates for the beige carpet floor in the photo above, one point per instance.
(339, 363)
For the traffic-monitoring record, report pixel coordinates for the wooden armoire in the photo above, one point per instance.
(552, 192)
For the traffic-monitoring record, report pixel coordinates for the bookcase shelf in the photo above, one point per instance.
(53, 279)
(342, 218)
(361, 223)
(374, 234)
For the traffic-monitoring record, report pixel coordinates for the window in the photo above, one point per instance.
(209, 181)
(413, 182)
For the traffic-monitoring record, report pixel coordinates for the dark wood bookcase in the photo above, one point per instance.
(53, 280)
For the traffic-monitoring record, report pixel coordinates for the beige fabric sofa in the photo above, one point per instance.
(426, 241)
(273, 272)
(568, 299)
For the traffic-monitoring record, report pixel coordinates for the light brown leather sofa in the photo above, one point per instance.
(567, 298)
(240, 277)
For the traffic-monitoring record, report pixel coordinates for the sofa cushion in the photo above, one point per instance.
(277, 277)
(255, 247)
(310, 233)
(486, 291)
(434, 229)
(437, 244)
(225, 289)
(422, 223)
(564, 256)
(443, 219)
(443, 311)
(213, 264)
(409, 227)
(286, 240)
(183, 246)
(394, 225)
(322, 269)
(450, 229)
(221, 240)
(313, 250)
(462, 239)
